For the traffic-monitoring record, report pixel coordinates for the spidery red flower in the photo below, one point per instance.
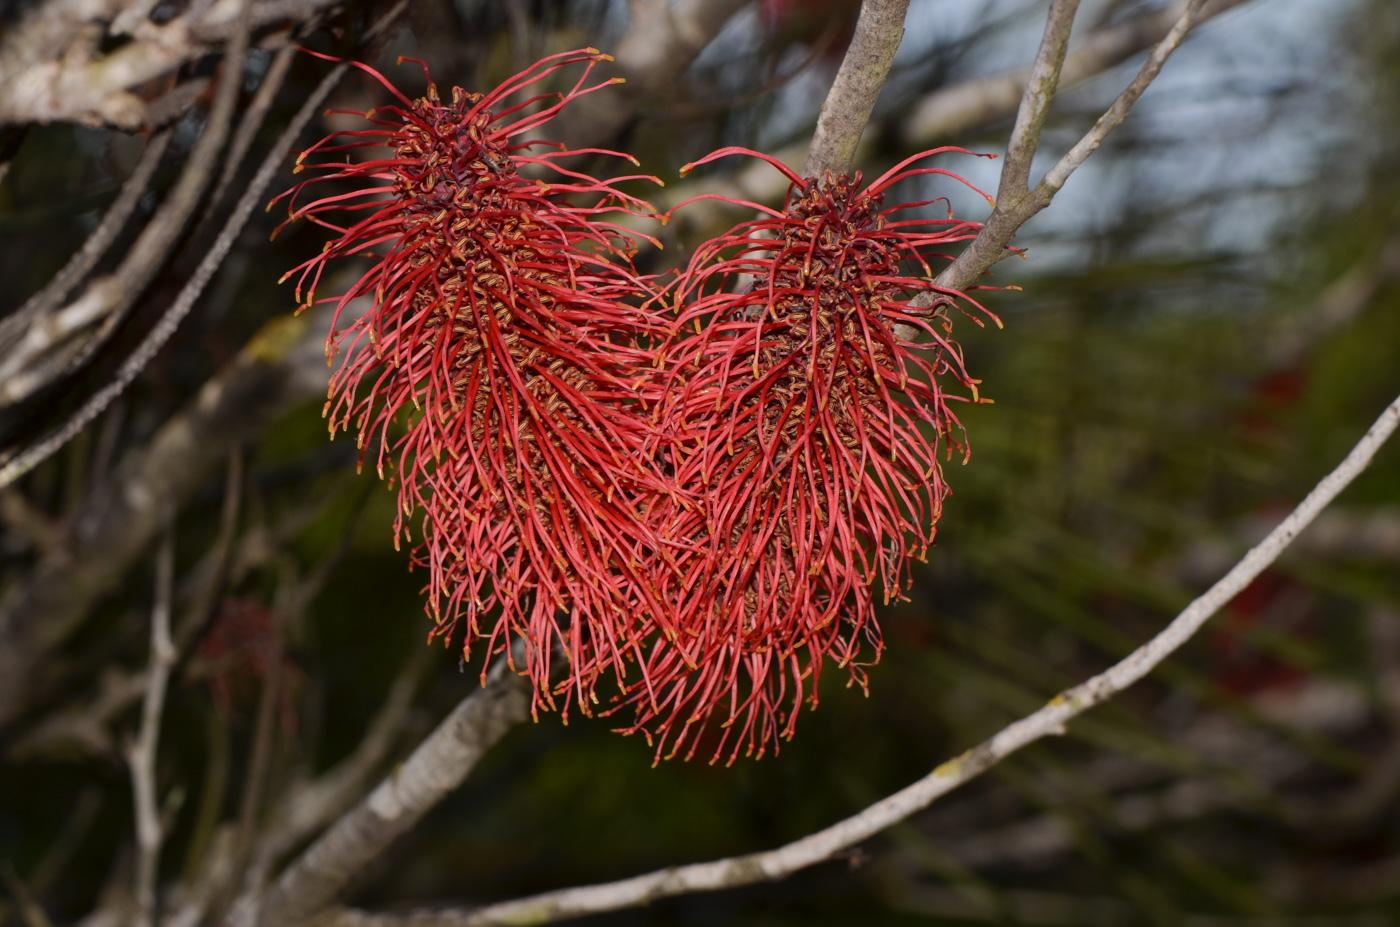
(493, 374)
(812, 430)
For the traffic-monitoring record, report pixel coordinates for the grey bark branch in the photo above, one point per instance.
(183, 303)
(14, 326)
(1035, 101)
(282, 366)
(435, 768)
(1056, 177)
(851, 100)
(943, 114)
(31, 365)
(1050, 720)
(969, 104)
(142, 755)
(1016, 202)
(52, 67)
(252, 121)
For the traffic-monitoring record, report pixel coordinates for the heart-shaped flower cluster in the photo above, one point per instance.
(688, 488)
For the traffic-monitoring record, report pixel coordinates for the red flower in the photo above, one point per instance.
(709, 510)
(496, 367)
(803, 415)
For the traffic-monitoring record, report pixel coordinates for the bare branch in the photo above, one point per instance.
(435, 768)
(1015, 202)
(1035, 101)
(29, 908)
(851, 100)
(305, 808)
(46, 351)
(265, 726)
(282, 365)
(969, 104)
(86, 726)
(142, 754)
(312, 806)
(252, 120)
(938, 116)
(13, 326)
(52, 67)
(1048, 721)
(174, 315)
(1112, 119)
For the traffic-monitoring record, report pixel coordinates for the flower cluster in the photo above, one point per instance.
(491, 372)
(807, 423)
(692, 486)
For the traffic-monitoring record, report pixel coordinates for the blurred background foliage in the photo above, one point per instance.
(1208, 318)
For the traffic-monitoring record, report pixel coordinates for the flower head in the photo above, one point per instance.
(492, 377)
(811, 425)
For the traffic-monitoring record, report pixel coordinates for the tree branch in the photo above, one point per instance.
(284, 364)
(252, 121)
(938, 116)
(851, 100)
(52, 67)
(824, 844)
(165, 327)
(307, 808)
(46, 352)
(966, 105)
(1016, 203)
(14, 326)
(142, 754)
(1035, 101)
(435, 768)
(1112, 119)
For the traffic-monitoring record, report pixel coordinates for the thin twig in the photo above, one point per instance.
(46, 353)
(252, 121)
(192, 290)
(429, 775)
(30, 910)
(269, 700)
(1048, 721)
(201, 609)
(1113, 118)
(142, 754)
(1016, 202)
(312, 806)
(937, 117)
(1035, 101)
(959, 108)
(85, 259)
(86, 726)
(851, 100)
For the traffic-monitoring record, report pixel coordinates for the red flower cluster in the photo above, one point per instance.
(502, 338)
(810, 428)
(698, 481)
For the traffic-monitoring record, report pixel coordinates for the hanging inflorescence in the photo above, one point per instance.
(810, 428)
(694, 486)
